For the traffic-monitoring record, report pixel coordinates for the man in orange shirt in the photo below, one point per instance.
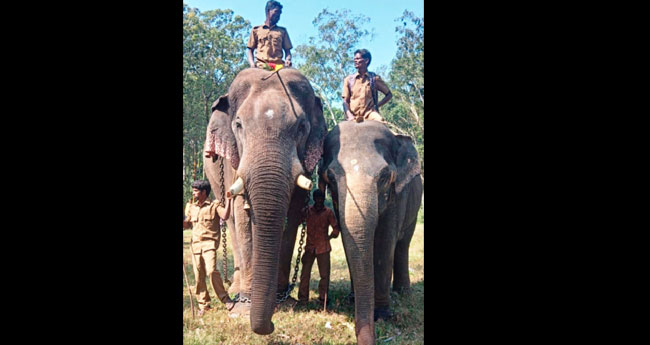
(319, 218)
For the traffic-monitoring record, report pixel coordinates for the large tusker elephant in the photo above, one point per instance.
(373, 177)
(270, 130)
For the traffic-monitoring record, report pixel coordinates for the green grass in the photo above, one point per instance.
(308, 325)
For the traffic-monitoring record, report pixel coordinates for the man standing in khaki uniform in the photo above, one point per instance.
(202, 216)
(360, 91)
(269, 40)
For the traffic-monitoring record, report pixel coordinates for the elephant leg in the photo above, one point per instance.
(289, 238)
(385, 239)
(236, 256)
(401, 280)
(245, 244)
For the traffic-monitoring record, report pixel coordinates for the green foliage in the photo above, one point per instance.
(213, 54)
(405, 111)
(328, 58)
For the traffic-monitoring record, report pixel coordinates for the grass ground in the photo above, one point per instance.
(311, 325)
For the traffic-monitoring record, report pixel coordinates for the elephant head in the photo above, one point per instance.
(271, 129)
(367, 169)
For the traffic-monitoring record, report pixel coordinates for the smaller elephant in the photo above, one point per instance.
(374, 179)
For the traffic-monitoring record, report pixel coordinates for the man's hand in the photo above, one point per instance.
(333, 235)
(287, 60)
(187, 225)
(249, 56)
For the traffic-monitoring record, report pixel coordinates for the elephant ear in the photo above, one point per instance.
(314, 145)
(219, 138)
(406, 161)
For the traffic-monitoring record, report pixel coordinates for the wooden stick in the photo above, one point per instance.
(325, 304)
(194, 263)
(189, 288)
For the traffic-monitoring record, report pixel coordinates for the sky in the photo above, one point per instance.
(297, 17)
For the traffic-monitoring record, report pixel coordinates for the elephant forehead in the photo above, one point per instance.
(268, 106)
(361, 163)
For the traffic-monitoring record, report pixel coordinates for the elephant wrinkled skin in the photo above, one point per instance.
(374, 179)
(269, 131)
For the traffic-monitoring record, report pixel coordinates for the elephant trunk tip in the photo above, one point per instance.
(262, 328)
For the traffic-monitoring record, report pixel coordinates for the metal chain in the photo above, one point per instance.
(300, 243)
(241, 299)
(222, 224)
(282, 296)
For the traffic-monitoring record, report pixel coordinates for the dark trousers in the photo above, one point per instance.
(323, 269)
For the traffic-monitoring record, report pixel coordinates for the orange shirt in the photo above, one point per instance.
(317, 225)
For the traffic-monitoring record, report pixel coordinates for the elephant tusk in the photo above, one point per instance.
(304, 182)
(236, 188)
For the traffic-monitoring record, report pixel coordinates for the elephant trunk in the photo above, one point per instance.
(358, 222)
(269, 185)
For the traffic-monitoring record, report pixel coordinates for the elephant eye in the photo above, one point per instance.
(302, 127)
(238, 123)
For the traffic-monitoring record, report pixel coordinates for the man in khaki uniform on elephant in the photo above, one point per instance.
(360, 91)
(269, 40)
(202, 216)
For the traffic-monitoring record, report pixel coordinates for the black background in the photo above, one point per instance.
(95, 252)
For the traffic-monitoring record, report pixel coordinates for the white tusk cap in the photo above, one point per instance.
(304, 182)
(236, 188)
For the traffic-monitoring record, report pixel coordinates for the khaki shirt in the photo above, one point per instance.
(205, 224)
(361, 103)
(269, 43)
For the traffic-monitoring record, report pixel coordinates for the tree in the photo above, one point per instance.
(328, 58)
(406, 81)
(213, 54)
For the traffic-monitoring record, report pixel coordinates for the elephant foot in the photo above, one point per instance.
(383, 313)
(402, 290)
(240, 310)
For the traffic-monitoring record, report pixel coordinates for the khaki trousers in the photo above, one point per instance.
(373, 115)
(323, 270)
(207, 262)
